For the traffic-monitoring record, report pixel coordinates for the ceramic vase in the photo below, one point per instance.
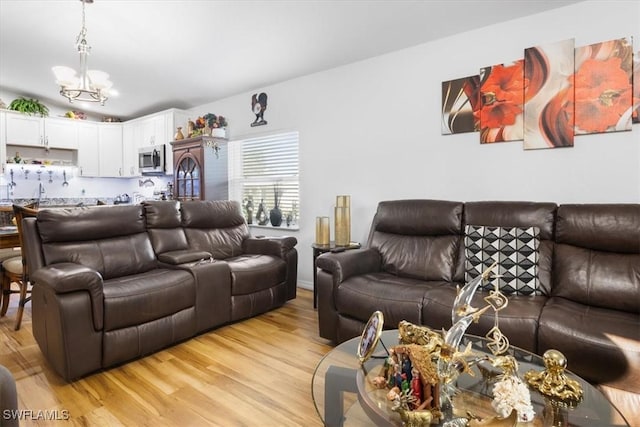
(275, 216)
(179, 135)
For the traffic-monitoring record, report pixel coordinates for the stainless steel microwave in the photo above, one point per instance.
(151, 160)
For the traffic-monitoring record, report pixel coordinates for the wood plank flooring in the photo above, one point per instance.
(255, 372)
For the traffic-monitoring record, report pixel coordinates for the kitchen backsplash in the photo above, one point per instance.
(55, 185)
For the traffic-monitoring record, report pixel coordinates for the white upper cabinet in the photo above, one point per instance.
(129, 151)
(31, 131)
(22, 129)
(88, 149)
(61, 133)
(3, 138)
(110, 150)
(150, 130)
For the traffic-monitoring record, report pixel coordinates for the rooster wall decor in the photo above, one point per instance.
(258, 105)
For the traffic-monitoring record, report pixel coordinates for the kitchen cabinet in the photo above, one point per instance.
(129, 151)
(21, 129)
(3, 139)
(61, 133)
(110, 150)
(200, 170)
(155, 129)
(88, 149)
(48, 132)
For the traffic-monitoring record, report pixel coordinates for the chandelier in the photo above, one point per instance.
(90, 85)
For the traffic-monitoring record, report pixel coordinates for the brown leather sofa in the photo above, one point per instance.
(588, 270)
(114, 283)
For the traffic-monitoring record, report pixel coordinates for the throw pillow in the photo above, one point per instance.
(515, 249)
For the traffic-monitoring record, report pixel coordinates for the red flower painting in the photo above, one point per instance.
(502, 98)
(603, 94)
(602, 84)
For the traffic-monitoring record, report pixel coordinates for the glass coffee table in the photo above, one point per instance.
(343, 395)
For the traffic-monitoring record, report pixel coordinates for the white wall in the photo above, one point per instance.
(372, 129)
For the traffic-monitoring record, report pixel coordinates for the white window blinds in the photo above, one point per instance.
(258, 167)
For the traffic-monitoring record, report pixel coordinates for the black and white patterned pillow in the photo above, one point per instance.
(515, 249)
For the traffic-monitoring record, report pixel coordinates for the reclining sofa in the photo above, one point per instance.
(114, 283)
(586, 301)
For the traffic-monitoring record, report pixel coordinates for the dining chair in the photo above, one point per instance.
(15, 269)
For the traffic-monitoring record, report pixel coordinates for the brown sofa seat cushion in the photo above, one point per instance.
(141, 298)
(253, 273)
(399, 298)
(518, 320)
(601, 345)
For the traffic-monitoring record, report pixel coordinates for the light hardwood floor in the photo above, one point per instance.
(254, 372)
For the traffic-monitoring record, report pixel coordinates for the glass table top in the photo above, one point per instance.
(364, 405)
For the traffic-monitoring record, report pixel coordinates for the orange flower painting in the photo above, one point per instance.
(549, 96)
(603, 90)
(502, 102)
(635, 115)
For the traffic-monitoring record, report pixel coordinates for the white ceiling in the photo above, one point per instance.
(168, 53)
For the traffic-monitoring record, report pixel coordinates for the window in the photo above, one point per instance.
(259, 166)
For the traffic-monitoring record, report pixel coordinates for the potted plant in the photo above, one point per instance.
(29, 106)
(217, 124)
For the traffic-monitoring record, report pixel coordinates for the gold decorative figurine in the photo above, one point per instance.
(552, 382)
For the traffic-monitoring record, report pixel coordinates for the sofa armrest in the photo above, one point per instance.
(342, 265)
(70, 277)
(183, 256)
(276, 246)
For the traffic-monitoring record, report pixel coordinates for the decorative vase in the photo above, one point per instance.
(275, 216)
(219, 132)
(343, 221)
(322, 230)
(179, 135)
(261, 215)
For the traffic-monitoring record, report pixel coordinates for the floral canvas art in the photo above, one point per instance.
(635, 115)
(603, 91)
(460, 105)
(502, 102)
(548, 111)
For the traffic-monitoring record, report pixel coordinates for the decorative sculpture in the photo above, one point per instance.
(553, 382)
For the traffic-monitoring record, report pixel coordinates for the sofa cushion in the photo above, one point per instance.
(541, 215)
(597, 256)
(601, 345)
(516, 251)
(418, 238)
(418, 257)
(398, 298)
(164, 222)
(253, 273)
(141, 298)
(112, 258)
(599, 279)
(90, 223)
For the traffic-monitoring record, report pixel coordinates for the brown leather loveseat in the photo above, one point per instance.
(114, 283)
(587, 299)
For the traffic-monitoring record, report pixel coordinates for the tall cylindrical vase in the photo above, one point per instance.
(343, 220)
(322, 230)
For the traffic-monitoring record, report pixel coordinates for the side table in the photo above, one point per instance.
(317, 251)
